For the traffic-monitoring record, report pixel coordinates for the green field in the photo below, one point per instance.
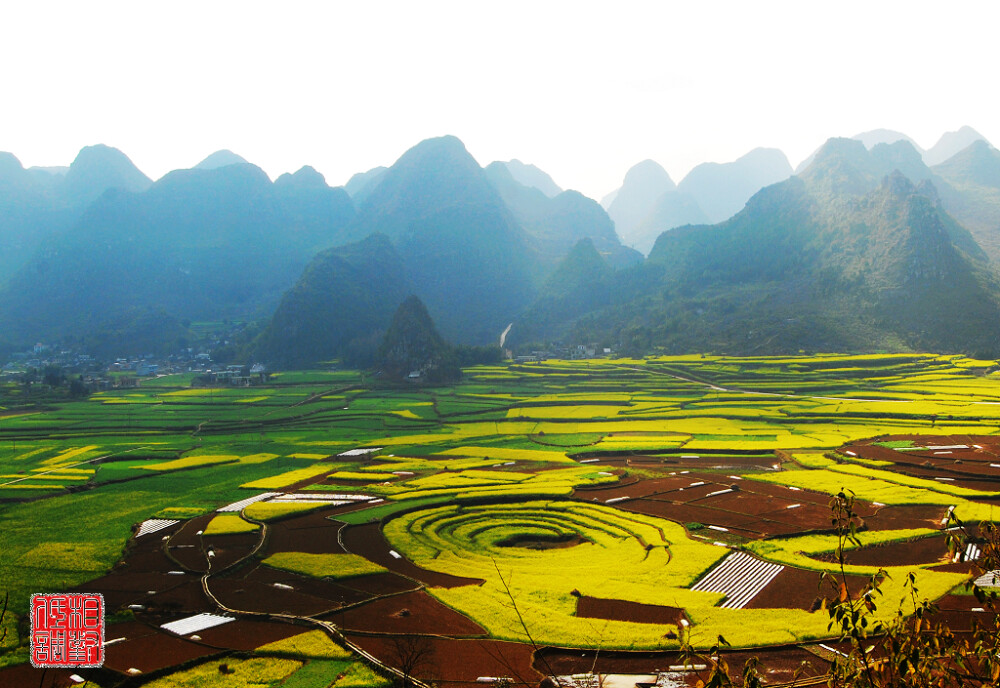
(466, 472)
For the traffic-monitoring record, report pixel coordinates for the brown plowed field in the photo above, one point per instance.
(898, 517)
(690, 493)
(245, 595)
(622, 610)
(563, 661)
(381, 584)
(923, 551)
(149, 649)
(809, 519)
(248, 634)
(460, 662)
(122, 589)
(313, 533)
(969, 467)
(229, 549)
(141, 560)
(799, 589)
(337, 593)
(778, 665)
(412, 612)
(367, 540)
(640, 488)
(187, 534)
(966, 568)
(751, 503)
(27, 676)
(190, 557)
(959, 603)
(683, 513)
(787, 493)
(754, 509)
(185, 598)
(962, 621)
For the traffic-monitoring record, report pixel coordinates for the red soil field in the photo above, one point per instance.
(905, 516)
(337, 593)
(799, 589)
(412, 612)
(381, 584)
(122, 589)
(249, 634)
(229, 549)
(183, 599)
(149, 560)
(149, 649)
(778, 664)
(459, 662)
(313, 533)
(640, 488)
(685, 513)
(747, 502)
(247, 595)
(622, 610)
(923, 551)
(563, 661)
(187, 534)
(27, 675)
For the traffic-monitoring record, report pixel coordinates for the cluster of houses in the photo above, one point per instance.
(571, 353)
(126, 372)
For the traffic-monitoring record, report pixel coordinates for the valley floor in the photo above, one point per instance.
(549, 518)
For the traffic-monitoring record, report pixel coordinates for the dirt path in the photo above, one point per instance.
(327, 626)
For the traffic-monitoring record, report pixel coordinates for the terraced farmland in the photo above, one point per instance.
(615, 504)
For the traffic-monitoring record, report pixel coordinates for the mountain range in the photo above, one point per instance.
(867, 248)
(649, 203)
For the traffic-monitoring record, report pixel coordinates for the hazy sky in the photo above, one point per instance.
(581, 89)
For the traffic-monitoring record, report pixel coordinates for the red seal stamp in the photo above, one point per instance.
(67, 630)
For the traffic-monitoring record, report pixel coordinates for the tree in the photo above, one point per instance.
(413, 654)
(912, 649)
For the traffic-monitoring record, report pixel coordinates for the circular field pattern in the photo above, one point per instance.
(548, 553)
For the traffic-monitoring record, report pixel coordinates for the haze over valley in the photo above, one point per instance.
(499, 345)
(865, 248)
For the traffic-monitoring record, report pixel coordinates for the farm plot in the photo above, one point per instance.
(605, 554)
(739, 577)
(514, 478)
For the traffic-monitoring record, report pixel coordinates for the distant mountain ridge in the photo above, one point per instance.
(722, 189)
(472, 244)
(36, 204)
(220, 158)
(529, 175)
(868, 248)
(198, 244)
(850, 255)
(648, 202)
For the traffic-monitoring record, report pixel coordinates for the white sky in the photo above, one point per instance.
(582, 89)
